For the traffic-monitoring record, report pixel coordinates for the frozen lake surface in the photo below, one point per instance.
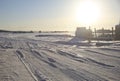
(48, 57)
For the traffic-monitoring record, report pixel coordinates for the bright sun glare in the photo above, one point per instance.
(88, 12)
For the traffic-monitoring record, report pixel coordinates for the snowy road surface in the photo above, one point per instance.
(25, 57)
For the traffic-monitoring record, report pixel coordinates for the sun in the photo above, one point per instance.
(88, 12)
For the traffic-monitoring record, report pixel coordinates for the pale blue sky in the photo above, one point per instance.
(52, 14)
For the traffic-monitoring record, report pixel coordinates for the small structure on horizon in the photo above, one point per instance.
(83, 33)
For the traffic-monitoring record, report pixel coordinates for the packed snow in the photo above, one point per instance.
(51, 57)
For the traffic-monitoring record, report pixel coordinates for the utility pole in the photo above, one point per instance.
(95, 33)
(103, 31)
(89, 35)
(112, 33)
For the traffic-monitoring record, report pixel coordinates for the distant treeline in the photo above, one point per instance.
(53, 31)
(64, 35)
(6, 31)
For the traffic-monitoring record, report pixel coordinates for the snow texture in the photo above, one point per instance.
(41, 57)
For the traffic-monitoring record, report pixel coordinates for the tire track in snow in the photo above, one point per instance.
(6, 45)
(49, 61)
(36, 74)
(83, 59)
(34, 69)
(32, 45)
(21, 57)
(110, 49)
(73, 74)
(85, 75)
(102, 53)
(100, 63)
(82, 75)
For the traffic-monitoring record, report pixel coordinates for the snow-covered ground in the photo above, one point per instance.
(32, 57)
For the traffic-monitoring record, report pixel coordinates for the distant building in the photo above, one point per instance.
(117, 32)
(104, 34)
(82, 32)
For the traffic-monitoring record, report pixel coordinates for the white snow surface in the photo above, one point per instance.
(29, 57)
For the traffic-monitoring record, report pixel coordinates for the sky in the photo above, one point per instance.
(55, 15)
